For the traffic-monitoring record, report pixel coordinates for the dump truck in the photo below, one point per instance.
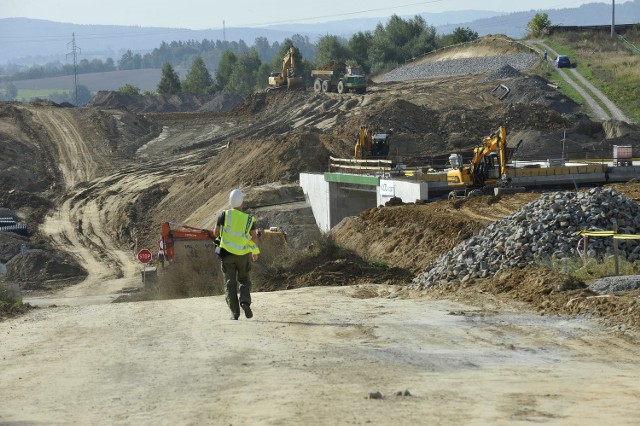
(339, 77)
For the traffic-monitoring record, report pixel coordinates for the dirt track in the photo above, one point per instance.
(313, 356)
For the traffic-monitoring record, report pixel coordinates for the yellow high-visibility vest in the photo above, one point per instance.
(235, 235)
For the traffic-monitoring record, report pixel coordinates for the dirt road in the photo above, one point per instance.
(313, 356)
(613, 111)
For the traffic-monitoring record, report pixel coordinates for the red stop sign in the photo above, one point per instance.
(144, 256)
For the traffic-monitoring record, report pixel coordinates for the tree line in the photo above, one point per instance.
(245, 71)
(237, 67)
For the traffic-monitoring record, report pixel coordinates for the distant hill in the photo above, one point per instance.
(31, 41)
(514, 25)
(347, 27)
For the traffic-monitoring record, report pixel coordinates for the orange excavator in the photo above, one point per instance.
(179, 240)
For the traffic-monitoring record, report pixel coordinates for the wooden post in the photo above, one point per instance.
(615, 246)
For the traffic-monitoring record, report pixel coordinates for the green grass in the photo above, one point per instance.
(590, 269)
(608, 63)
(548, 71)
(28, 94)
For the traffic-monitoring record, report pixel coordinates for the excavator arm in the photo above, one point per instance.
(288, 64)
(490, 144)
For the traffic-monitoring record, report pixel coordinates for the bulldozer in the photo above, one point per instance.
(371, 145)
(487, 170)
(287, 78)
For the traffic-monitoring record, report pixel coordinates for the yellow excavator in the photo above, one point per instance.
(488, 167)
(371, 145)
(286, 78)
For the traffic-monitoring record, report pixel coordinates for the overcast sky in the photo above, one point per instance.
(207, 14)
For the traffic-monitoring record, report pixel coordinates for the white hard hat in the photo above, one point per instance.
(236, 197)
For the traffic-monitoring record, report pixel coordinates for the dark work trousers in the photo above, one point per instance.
(236, 271)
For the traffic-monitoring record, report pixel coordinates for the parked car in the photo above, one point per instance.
(562, 61)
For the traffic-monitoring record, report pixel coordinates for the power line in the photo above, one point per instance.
(288, 21)
(74, 52)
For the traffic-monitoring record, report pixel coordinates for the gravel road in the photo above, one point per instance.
(313, 356)
(613, 111)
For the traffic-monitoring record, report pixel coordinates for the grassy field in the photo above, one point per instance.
(608, 63)
(145, 79)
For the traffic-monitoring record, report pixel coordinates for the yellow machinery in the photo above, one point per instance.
(363, 143)
(287, 77)
(371, 145)
(488, 166)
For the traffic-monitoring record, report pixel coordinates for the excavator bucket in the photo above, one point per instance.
(295, 83)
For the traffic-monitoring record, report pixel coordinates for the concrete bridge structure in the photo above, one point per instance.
(334, 196)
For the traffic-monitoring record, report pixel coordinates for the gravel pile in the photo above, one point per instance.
(542, 230)
(614, 284)
(454, 67)
(505, 72)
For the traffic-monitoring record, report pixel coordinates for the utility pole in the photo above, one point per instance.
(613, 18)
(74, 52)
(224, 32)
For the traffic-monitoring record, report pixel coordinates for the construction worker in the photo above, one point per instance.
(237, 232)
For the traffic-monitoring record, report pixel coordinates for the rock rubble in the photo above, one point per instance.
(465, 66)
(543, 230)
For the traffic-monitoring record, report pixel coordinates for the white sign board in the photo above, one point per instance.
(386, 188)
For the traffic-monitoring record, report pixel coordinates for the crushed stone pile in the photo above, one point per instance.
(465, 66)
(506, 71)
(542, 230)
(615, 284)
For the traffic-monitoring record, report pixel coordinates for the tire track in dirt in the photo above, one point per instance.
(77, 160)
(95, 207)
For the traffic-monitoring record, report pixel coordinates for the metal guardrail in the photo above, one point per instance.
(633, 46)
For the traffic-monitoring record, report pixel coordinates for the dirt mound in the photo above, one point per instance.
(485, 46)
(536, 90)
(181, 102)
(412, 236)
(10, 245)
(222, 102)
(328, 264)
(244, 163)
(40, 266)
(332, 66)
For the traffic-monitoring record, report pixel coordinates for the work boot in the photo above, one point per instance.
(247, 310)
(234, 317)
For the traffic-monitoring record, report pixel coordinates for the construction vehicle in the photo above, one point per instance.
(338, 77)
(488, 167)
(287, 77)
(184, 241)
(370, 145)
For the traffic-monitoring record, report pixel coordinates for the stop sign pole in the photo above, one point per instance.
(145, 257)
